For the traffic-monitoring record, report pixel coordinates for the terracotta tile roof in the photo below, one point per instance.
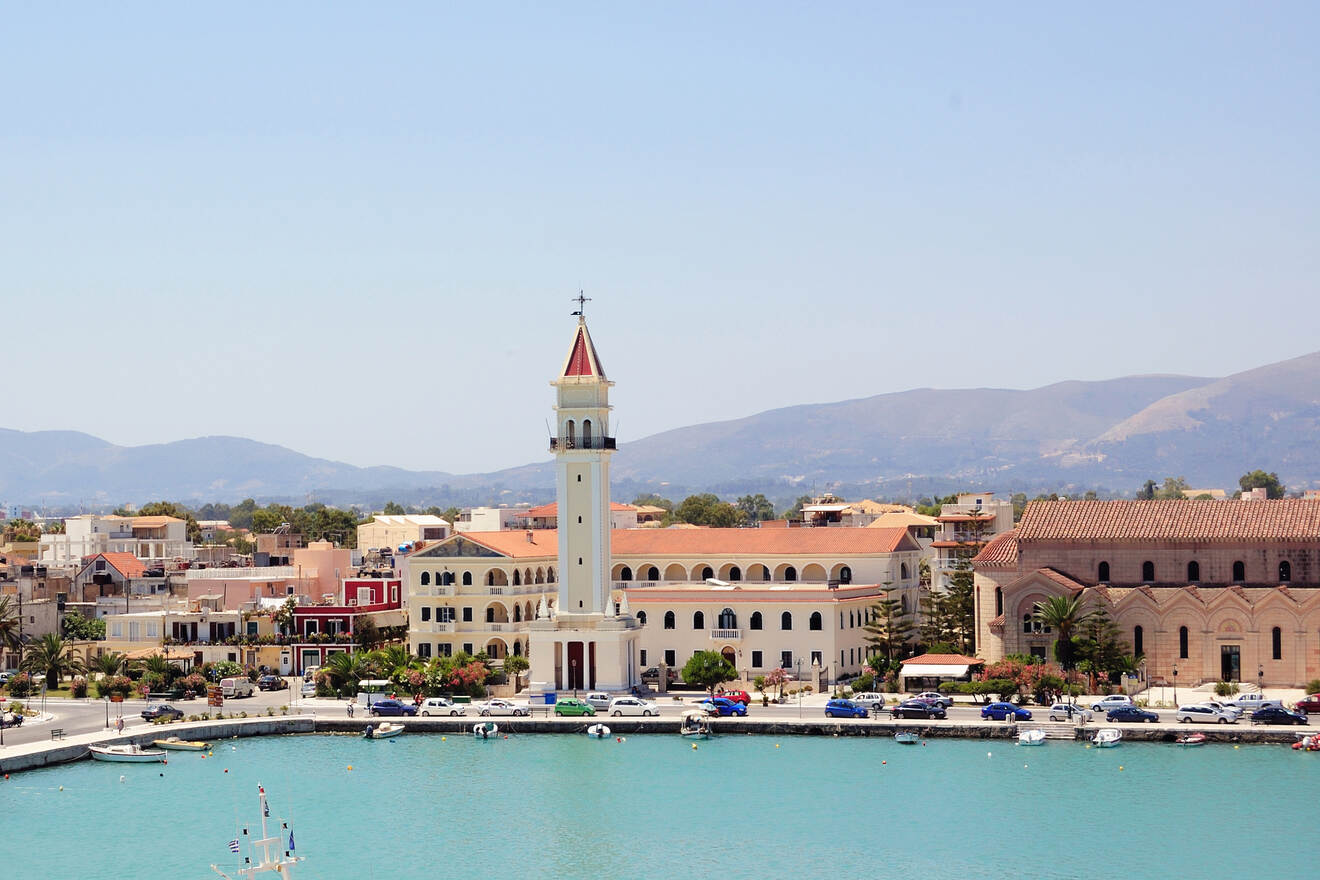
(552, 509)
(1289, 519)
(126, 564)
(902, 518)
(1001, 551)
(943, 660)
(997, 623)
(151, 522)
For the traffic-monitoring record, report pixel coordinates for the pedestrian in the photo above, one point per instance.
(350, 709)
(119, 724)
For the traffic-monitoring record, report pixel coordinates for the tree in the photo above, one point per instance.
(514, 666)
(1099, 648)
(178, 511)
(708, 669)
(1258, 479)
(708, 510)
(81, 628)
(393, 508)
(650, 499)
(795, 512)
(366, 633)
(21, 531)
(284, 615)
(1147, 491)
(51, 656)
(1174, 489)
(890, 625)
(1063, 614)
(756, 508)
(777, 678)
(345, 669)
(448, 514)
(108, 664)
(10, 625)
(960, 606)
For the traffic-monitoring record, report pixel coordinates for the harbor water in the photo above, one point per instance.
(653, 806)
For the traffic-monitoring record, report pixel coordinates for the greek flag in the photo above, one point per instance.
(291, 846)
(265, 810)
(233, 845)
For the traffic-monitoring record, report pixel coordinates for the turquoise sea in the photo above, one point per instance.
(651, 806)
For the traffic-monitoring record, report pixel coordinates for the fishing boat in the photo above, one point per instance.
(485, 729)
(1034, 737)
(1307, 743)
(262, 860)
(181, 745)
(129, 754)
(695, 725)
(598, 731)
(1107, 737)
(384, 730)
(907, 737)
(1190, 739)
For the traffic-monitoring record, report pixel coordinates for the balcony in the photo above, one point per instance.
(435, 626)
(557, 443)
(726, 635)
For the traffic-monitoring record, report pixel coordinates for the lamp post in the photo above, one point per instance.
(799, 686)
(1175, 685)
(1260, 678)
(572, 673)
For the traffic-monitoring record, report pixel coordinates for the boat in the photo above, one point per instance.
(262, 860)
(1190, 739)
(599, 731)
(1107, 737)
(384, 730)
(907, 737)
(485, 729)
(695, 725)
(1307, 743)
(129, 754)
(1035, 737)
(181, 745)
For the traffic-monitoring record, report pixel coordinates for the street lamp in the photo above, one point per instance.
(1260, 678)
(1175, 685)
(572, 673)
(799, 686)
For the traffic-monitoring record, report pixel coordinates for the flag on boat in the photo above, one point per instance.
(265, 809)
(233, 845)
(291, 846)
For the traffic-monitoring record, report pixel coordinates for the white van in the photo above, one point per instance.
(236, 687)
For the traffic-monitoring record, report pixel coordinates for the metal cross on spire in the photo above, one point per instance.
(581, 301)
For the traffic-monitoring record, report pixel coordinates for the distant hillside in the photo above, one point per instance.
(1109, 435)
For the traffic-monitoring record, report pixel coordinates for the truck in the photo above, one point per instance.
(1249, 703)
(236, 687)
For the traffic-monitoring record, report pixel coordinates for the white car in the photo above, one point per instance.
(944, 700)
(441, 706)
(308, 689)
(1215, 704)
(632, 706)
(501, 707)
(1069, 712)
(1113, 701)
(1200, 713)
(599, 700)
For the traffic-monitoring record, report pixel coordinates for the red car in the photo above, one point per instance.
(1309, 704)
(736, 696)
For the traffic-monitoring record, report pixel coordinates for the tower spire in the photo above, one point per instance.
(582, 302)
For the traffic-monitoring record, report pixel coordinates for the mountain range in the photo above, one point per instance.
(1107, 435)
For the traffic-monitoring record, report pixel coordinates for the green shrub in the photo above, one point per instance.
(1226, 688)
(20, 685)
(1313, 686)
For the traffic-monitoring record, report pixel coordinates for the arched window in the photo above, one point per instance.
(586, 433)
(571, 436)
(1276, 642)
(765, 574)
(814, 623)
(467, 578)
(426, 578)
(1182, 643)
(786, 620)
(1285, 575)
(728, 620)
(626, 574)
(1103, 574)
(735, 574)
(1239, 572)
(790, 573)
(517, 649)
(1148, 571)
(698, 620)
(1193, 572)
(517, 578)
(1027, 623)
(707, 573)
(641, 618)
(755, 622)
(653, 574)
(1138, 642)
(517, 614)
(447, 578)
(903, 571)
(999, 601)
(902, 604)
(845, 575)
(490, 615)
(669, 620)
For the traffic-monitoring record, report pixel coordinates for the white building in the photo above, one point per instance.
(158, 538)
(396, 531)
(489, 519)
(966, 526)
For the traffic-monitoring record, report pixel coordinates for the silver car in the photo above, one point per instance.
(1069, 712)
(1200, 713)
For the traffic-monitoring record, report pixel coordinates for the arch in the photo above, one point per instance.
(467, 578)
(641, 618)
(625, 574)
(540, 575)
(1182, 643)
(757, 572)
(497, 613)
(999, 601)
(730, 572)
(675, 572)
(586, 433)
(1276, 643)
(497, 649)
(550, 574)
(527, 576)
(755, 621)
(902, 603)
(903, 571)
(730, 655)
(814, 572)
(447, 578)
(527, 610)
(1148, 572)
(785, 572)
(497, 577)
(702, 572)
(426, 578)
(1285, 575)
(815, 623)
(669, 620)
(1239, 571)
(728, 619)
(517, 578)
(698, 620)
(652, 573)
(1138, 640)
(570, 435)
(1102, 574)
(517, 613)
(1193, 572)
(786, 620)
(517, 648)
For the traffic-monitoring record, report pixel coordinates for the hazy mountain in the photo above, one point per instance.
(1108, 435)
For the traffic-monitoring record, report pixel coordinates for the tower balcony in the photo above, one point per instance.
(557, 443)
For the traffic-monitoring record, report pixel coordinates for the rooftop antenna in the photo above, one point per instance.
(581, 301)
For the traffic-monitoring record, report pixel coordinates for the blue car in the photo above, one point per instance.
(844, 709)
(723, 706)
(1000, 711)
(1130, 713)
(392, 707)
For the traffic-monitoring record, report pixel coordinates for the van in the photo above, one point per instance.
(236, 687)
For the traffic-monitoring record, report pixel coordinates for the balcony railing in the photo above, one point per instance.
(557, 443)
(726, 635)
(436, 626)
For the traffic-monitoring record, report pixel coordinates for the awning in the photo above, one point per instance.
(930, 670)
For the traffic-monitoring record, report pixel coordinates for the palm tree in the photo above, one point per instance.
(346, 668)
(9, 624)
(158, 667)
(53, 657)
(109, 663)
(1064, 614)
(394, 661)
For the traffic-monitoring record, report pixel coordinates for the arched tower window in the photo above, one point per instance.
(1103, 574)
(570, 438)
(1285, 575)
(755, 622)
(1182, 643)
(1276, 643)
(1239, 572)
(1138, 642)
(467, 578)
(1148, 571)
(814, 623)
(669, 620)
(698, 620)
(1193, 572)
(786, 620)
(586, 433)
(999, 601)
(728, 620)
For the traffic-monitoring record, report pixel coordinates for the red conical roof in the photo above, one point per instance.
(582, 358)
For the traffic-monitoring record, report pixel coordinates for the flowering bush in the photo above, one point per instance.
(1025, 676)
(78, 686)
(20, 685)
(114, 684)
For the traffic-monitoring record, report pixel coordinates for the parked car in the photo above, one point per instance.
(232, 688)
(1214, 704)
(1277, 715)
(935, 697)
(1252, 702)
(1309, 703)
(392, 707)
(162, 710)
(918, 709)
(652, 674)
(574, 706)
(599, 700)
(723, 706)
(1113, 701)
(737, 696)
(442, 706)
(869, 699)
(271, 683)
(1000, 711)
(6, 675)
(846, 709)
(1130, 713)
(308, 689)
(1069, 712)
(1201, 713)
(501, 707)
(633, 706)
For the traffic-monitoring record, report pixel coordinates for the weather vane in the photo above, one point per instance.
(581, 301)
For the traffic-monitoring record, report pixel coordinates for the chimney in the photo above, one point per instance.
(530, 538)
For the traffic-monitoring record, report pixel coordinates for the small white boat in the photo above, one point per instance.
(1190, 739)
(1031, 738)
(599, 731)
(1107, 737)
(129, 754)
(181, 745)
(907, 737)
(485, 729)
(278, 863)
(384, 730)
(695, 725)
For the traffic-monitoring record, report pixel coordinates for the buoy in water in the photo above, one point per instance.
(694, 747)
(350, 767)
(121, 779)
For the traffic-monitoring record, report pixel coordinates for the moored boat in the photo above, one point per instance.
(695, 725)
(262, 860)
(384, 730)
(906, 737)
(129, 754)
(1307, 743)
(485, 729)
(1034, 737)
(598, 731)
(1107, 737)
(1190, 739)
(181, 745)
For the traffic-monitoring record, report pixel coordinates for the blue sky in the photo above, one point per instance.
(355, 231)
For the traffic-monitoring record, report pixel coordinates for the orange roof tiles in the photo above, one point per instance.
(1002, 550)
(943, 660)
(1288, 519)
(552, 509)
(125, 563)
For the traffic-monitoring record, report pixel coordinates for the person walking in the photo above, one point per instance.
(350, 709)
(119, 724)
